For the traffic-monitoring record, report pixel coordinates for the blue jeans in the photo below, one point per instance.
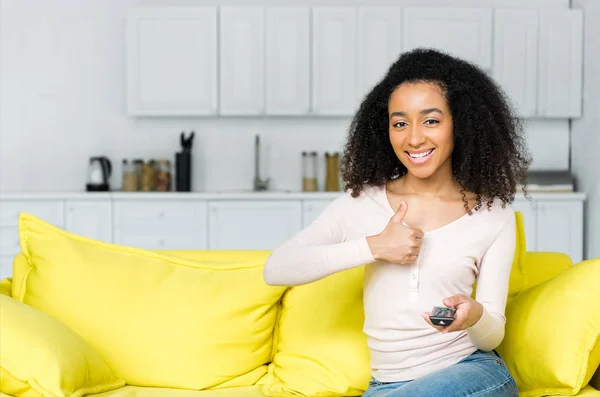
(482, 374)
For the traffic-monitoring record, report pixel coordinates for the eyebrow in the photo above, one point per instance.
(424, 111)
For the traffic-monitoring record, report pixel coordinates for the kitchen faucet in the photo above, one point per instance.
(259, 184)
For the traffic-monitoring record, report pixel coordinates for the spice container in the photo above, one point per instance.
(130, 177)
(332, 175)
(309, 172)
(163, 175)
(148, 179)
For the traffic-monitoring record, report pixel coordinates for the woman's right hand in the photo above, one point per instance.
(397, 243)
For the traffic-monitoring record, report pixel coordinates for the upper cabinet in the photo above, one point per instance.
(463, 32)
(561, 59)
(242, 53)
(379, 44)
(538, 60)
(516, 57)
(288, 60)
(172, 61)
(334, 60)
(323, 60)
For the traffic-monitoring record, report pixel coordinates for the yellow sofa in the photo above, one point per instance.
(81, 317)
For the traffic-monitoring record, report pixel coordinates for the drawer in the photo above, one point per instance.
(51, 211)
(139, 213)
(9, 240)
(189, 240)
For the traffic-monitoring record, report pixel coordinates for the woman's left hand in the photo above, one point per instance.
(468, 312)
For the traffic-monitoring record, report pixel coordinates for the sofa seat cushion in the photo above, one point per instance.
(40, 356)
(136, 391)
(551, 342)
(157, 320)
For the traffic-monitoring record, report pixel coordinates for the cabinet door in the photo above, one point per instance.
(334, 84)
(288, 60)
(379, 44)
(158, 224)
(529, 211)
(6, 264)
(561, 57)
(560, 228)
(89, 218)
(463, 32)
(252, 224)
(242, 53)
(311, 209)
(172, 61)
(515, 57)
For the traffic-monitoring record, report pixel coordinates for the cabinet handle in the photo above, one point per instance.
(161, 214)
(161, 242)
(309, 207)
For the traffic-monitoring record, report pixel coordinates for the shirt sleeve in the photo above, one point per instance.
(492, 288)
(319, 250)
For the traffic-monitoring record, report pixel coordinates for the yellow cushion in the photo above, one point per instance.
(136, 391)
(322, 350)
(6, 286)
(157, 320)
(40, 356)
(552, 330)
(517, 273)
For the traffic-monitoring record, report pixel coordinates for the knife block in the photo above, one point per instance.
(183, 171)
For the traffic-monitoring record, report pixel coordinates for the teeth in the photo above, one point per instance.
(420, 155)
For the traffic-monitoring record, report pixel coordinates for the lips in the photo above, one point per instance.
(420, 156)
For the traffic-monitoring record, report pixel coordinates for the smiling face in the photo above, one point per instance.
(420, 129)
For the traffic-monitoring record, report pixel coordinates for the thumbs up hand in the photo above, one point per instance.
(397, 243)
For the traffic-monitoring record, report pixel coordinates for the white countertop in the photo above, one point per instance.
(223, 195)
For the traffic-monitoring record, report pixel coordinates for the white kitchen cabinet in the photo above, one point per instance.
(160, 224)
(463, 32)
(287, 60)
(6, 264)
(379, 44)
(560, 228)
(560, 63)
(242, 60)
(252, 224)
(311, 209)
(89, 218)
(515, 57)
(334, 56)
(172, 61)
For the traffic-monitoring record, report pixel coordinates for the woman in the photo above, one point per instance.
(431, 165)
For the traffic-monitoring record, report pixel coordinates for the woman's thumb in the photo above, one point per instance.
(400, 212)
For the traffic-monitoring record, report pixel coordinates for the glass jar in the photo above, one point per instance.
(309, 172)
(130, 176)
(148, 179)
(163, 175)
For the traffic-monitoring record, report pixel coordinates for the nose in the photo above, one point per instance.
(416, 137)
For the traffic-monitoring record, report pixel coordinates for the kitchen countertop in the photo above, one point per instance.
(224, 195)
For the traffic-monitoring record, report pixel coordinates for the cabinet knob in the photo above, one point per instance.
(161, 214)
(161, 242)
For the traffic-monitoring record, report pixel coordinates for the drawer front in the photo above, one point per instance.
(142, 213)
(51, 211)
(162, 239)
(9, 243)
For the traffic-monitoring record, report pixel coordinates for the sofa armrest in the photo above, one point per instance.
(543, 266)
(6, 286)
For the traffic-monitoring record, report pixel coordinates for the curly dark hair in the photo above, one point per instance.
(490, 156)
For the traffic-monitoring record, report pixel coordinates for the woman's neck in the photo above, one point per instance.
(440, 184)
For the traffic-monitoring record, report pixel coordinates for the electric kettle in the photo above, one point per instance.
(99, 170)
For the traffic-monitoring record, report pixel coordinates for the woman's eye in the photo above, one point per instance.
(400, 124)
(431, 121)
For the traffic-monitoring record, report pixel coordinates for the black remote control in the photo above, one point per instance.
(442, 316)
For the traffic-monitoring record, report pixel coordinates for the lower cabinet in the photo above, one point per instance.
(552, 222)
(252, 224)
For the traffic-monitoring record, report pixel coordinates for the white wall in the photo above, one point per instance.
(585, 133)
